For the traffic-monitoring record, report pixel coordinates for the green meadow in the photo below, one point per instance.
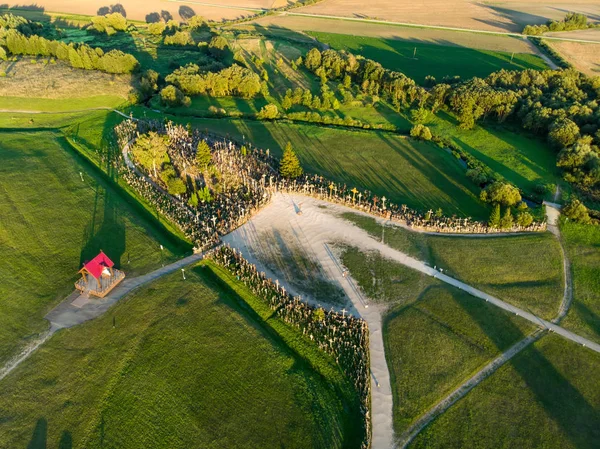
(179, 364)
(57, 212)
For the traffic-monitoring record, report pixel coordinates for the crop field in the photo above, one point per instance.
(36, 83)
(418, 60)
(406, 171)
(52, 221)
(294, 27)
(584, 57)
(544, 397)
(507, 15)
(583, 248)
(135, 10)
(180, 364)
(523, 270)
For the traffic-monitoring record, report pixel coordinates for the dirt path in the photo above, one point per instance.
(552, 214)
(318, 226)
(77, 309)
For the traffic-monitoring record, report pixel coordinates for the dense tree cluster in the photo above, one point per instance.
(234, 80)
(562, 105)
(181, 38)
(572, 21)
(372, 78)
(80, 56)
(109, 23)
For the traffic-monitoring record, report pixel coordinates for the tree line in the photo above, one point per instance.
(80, 56)
(572, 21)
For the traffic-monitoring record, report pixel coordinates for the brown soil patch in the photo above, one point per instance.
(493, 16)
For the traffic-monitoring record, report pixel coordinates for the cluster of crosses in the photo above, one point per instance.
(250, 178)
(343, 336)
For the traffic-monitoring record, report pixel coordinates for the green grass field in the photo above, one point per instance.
(430, 59)
(406, 171)
(51, 223)
(436, 336)
(180, 364)
(60, 105)
(547, 396)
(523, 270)
(583, 248)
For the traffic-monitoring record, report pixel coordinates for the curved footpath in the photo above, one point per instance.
(552, 212)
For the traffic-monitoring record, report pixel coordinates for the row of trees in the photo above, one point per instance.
(234, 80)
(80, 56)
(572, 21)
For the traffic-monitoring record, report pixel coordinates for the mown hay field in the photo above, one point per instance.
(584, 57)
(546, 396)
(418, 60)
(180, 364)
(507, 15)
(136, 10)
(52, 221)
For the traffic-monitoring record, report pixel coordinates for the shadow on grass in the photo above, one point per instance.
(561, 401)
(308, 360)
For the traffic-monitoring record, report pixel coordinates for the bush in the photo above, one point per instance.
(421, 132)
(576, 211)
(500, 192)
(181, 38)
(218, 47)
(268, 112)
(171, 96)
(157, 28)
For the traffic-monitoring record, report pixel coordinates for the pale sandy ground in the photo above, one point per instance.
(443, 37)
(492, 16)
(137, 10)
(584, 57)
(587, 35)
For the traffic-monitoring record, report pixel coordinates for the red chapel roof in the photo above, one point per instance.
(97, 264)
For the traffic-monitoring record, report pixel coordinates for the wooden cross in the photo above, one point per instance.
(354, 192)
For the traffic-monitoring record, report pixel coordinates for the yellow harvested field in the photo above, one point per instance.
(489, 42)
(138, 10)
(56, 81)
(588, 35)
(584, 57)
(507, 15)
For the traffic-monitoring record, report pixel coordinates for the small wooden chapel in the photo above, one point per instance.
(98, 276)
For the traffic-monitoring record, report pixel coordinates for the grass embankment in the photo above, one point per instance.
(546, 396)
(524, 270)
(418, 60)
(180, 364)
(436, 336)
(583, 248)
(52, 221)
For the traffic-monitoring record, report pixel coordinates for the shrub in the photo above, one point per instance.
(268, 112)
(421, 132)
(500, 192)
(171, 96)
(157, 28)
(181, 38)
(576, 211)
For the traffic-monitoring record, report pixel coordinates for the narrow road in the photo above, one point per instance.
(552, 213)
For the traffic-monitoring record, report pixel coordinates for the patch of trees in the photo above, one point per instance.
(232, 81)
(563, 106)
(181, 38)
(172, 97)
(80, 56)
(572, 21)
(109, 24)
(19, 23)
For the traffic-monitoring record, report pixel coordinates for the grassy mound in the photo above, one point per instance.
(180, 364)
(52, 221)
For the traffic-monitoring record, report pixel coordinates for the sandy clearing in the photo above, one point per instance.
(497, 16)
(584, 57)
(441, 37)
(137, 10)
